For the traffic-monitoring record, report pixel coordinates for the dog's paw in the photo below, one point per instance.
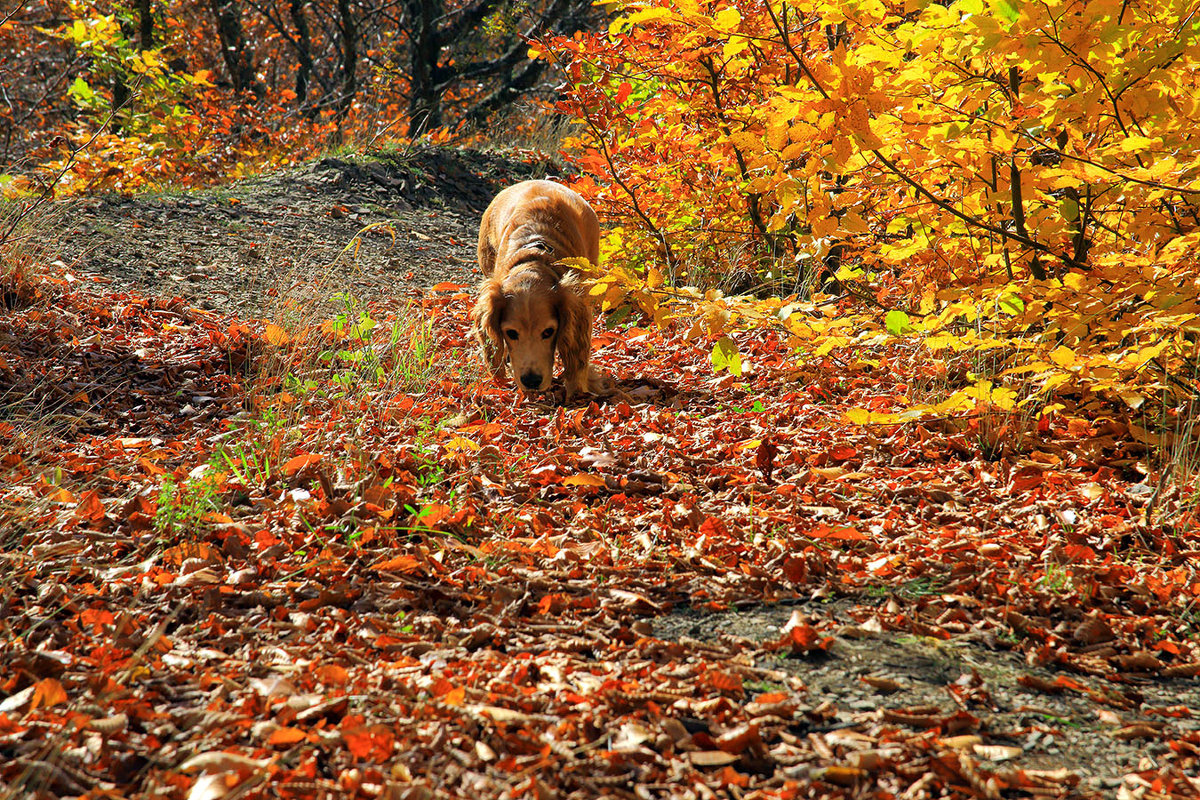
(601, 384)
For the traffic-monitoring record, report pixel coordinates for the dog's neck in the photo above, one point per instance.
(532, 274)
(530, 258)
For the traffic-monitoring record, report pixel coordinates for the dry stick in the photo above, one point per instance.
(1014, 184)
(928, 195)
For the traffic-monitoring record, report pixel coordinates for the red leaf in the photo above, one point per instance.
(90, 508)
(842, 452)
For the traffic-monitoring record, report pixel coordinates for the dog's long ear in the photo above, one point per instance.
(574, 335)
(487, 315)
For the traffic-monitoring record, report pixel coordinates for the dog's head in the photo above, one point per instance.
(528, 318)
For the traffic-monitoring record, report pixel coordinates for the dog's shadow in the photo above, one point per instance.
(634, 391)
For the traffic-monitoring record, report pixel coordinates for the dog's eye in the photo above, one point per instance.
(546, 334)
(512, 335)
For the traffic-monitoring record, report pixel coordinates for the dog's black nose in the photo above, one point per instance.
(531, 380)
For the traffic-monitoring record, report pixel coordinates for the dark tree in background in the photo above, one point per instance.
(478, 53)
(236, 51)
(452, 62)
(415, 65)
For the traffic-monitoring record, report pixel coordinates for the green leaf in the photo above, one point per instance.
(1011, 304)
(725, 356)
(897, 323)
(1007, 9)
(80, 90)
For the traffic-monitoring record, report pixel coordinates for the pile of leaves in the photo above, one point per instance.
(330, 559)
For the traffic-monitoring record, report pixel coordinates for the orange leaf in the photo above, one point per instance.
(90, 508)
(96, 619)
(333, 674)
(584, 479)
(433, 513)
(48, 692)
(60, 495)
(300, 462)
(843, 532)
(725, 681)
(149, 467)
(287, 736)
(276, 335)
(399, 564)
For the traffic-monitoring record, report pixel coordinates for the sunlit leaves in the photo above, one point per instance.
(897, 323)
(725, 356)
(871, 145)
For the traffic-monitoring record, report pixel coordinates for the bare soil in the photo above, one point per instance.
(374, 227)
(870, 674)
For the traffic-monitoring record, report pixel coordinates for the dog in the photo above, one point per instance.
(531, 305)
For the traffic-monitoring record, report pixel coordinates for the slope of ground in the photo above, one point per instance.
(360, 225)
(309, 559)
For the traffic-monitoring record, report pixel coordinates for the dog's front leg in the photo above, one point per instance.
(574, 342)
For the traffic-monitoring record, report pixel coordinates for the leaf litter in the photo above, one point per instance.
(235, 568)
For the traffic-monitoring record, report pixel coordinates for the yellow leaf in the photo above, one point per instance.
(858, 416)
(461, 443)
(639, 17)
(1063, 356)
(734, 46)
(727, 20)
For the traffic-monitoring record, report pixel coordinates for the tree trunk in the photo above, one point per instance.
(425, 98)
(238, 64)
(121, 92)
(303, 52)
(349, 28)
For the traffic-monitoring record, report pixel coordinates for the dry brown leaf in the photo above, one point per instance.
(219, 761)
(997, 752)
(887, 685)
(209, 786)
(711, 758)
(965, 742)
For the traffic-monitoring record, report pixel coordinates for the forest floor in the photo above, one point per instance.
(247, 554)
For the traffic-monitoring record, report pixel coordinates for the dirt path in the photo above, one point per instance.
(372, 227)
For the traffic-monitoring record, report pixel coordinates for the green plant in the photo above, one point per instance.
(182, 507)
(362, 358)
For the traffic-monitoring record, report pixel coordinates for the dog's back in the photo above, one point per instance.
(538, 222)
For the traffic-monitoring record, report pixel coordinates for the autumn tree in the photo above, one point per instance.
(1018, 180)
(226, 84)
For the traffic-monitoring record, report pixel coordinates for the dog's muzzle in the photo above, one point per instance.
(532, 381)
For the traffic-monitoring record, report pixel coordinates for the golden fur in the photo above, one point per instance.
(529, 304)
